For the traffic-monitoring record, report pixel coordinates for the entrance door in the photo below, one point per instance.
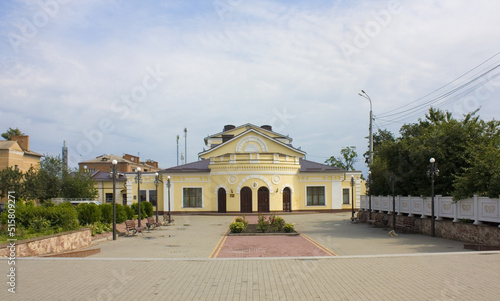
(263, 199)
(221, 200)
(287, 200)
(246, 200)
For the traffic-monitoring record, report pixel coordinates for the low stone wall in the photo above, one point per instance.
(54, 244)
(466, 232)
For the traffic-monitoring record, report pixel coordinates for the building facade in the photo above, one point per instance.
(249, 169)
(127, 163)
(16, 153)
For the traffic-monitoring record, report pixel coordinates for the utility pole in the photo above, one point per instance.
(177, 150)
(186, 145)
(364, 95)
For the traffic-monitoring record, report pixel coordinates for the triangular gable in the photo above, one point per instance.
(252, 141)
(243, 128)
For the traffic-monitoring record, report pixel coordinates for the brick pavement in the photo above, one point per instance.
(438, 276)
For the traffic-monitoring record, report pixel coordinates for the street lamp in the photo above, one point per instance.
(369, 195)
(139, 196)
(168, 192)
(157, 180)
(113, 172)
(364, 95)
(433, 171)
(352, 196)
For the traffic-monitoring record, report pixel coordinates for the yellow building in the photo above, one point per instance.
(250, 169)
(16, 153)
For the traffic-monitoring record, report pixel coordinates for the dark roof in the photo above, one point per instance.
(310, 166)
(100, 176)
(198, 166)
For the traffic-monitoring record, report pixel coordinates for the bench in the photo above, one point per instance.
(130, 226)
(405, 225)
(152, 224)
(165, 219)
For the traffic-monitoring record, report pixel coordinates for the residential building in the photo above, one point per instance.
(127, 163)
(16, 153)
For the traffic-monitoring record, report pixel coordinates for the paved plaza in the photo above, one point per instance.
(173, 263)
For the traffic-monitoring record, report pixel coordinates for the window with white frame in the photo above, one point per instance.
(316, 196)
(345, 196)
(192, 197)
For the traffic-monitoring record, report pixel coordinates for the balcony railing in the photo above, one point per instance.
(478, 209)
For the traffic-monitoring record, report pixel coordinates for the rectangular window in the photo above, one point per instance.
(345, 196)
(192, 198)
(152, 197)
(316, 196)
(142, 193)
(109, 198)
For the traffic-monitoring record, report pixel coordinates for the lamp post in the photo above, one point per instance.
(393, 179)
(369, 195)
(364, 95)
(433, 172)
(113, 172)
(139, 196)
(168, 192)
(352, 196)
(157, 180)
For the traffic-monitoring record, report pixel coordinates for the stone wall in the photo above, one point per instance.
(57, 243)
(466, 232)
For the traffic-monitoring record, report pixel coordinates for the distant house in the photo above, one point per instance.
(250, 169)
(127, 163)
(16, 153)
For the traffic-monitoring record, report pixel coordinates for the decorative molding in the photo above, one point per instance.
(252, 138)
(221, 186)
(276, 179)
(289, 186)
(240, 185)
(232, 179)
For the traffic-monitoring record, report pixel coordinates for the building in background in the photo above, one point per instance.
(127, 163)
(16, 153)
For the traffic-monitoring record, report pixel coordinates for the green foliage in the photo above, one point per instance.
(347, 159)
(78, 184)
(241, 220)
(106, 213)
(148, 208)
(135, 209)
(12, 132)
(129, 211)
(262, 224)
(11, 180)
(98, 228)
(237, 227)
(88, 213)
(288, 228)
(121, 213)
(276, 223)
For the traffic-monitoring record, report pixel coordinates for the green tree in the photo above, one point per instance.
(78, 184)
(346, 160)
(11, 180)
(12, 132)
(49, 177)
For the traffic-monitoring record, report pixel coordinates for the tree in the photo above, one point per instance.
(78, 184)
(12, 132)
(347, 159)
(11, 180)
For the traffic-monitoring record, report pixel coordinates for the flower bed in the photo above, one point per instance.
(271, 225)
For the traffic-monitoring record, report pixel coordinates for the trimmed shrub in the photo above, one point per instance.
(241, 220)
(288, 228)
(88, 214)
(121, 213)
(237, 227)
(148, 208)
(277, 223)
(106, 213)
(63, 217)
(135, 208)
(129, 211)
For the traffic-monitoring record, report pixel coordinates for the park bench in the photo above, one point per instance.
(152, 224)
(130, 226)
(165, 219)
(405, 225)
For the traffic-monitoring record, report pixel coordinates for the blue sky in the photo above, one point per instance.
(128, 76)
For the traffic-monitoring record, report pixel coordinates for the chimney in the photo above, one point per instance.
(228, 127)
(267, 127)
(24, 142)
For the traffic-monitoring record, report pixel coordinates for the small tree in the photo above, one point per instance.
(12, 132)
(346, 161)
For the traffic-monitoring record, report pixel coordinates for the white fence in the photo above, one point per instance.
(478, 209)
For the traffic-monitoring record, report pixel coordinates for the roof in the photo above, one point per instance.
(7, 144)
(108, 159)
(100, 176)
(246, 125)
(310, 166)
(198, 166)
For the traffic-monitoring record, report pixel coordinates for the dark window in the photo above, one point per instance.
(316, 196)
(192, 198)
(143, 195)
(109, 198)
(345, 196)
(152, 197)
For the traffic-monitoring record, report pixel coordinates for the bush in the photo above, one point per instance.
(98, 228)
(121, 213)
(129, 211)
(63, 217)
(241, 220)
(148, 208)
(88, 214)
(135, 208)
(288, 228)
(237, 227)
(106, 213)
(262, 224)
(277, 223)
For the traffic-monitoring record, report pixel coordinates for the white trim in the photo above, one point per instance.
(305, 198)
(251, 138)
(269, 185)
(289, 186)
(220, 186)
(182, 197)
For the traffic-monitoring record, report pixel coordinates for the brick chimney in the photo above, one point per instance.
(24, 142)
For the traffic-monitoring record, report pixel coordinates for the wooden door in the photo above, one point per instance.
(263, 199)
(246, 200)
(287, 200)
(221, 200)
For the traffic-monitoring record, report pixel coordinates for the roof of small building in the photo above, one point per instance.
(7, 144)
(310, 166)
(107, 159)
(198, 166)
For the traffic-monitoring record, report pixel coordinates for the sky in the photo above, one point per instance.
(115, 77)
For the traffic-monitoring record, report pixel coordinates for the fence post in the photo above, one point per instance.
(476, 208)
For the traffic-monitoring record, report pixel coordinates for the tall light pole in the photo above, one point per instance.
(352, 196)
(370, 195)
(157, 180)
(433, 171)
(139, 196)
(177, 150)
(186, 145)
(168, 192)
(113, 172)
(364, 95)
